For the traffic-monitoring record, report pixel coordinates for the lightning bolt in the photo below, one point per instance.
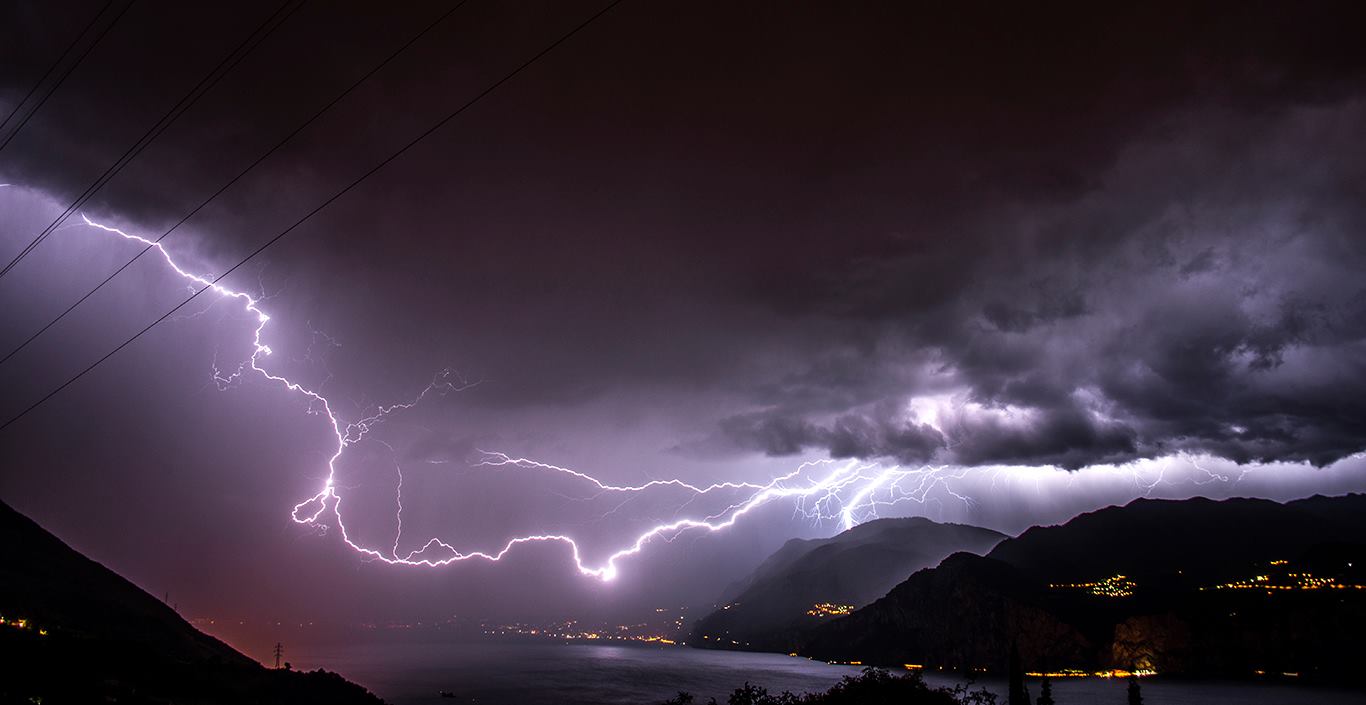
(849, 492)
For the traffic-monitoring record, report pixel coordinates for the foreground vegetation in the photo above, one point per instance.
(873, 687)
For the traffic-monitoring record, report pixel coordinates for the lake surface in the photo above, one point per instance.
(529, 673)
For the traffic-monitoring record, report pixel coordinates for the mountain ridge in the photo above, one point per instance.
(1199, 587)
(771, 607)
(76, 631)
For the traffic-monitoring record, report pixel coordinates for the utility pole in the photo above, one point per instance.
(279, 652)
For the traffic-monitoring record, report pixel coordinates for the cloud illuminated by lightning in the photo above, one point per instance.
(848, 492)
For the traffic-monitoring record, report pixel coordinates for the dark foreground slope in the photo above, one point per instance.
(1197, 587)
(769, 612)
(76, 632)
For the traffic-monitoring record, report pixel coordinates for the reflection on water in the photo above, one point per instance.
(492, 673)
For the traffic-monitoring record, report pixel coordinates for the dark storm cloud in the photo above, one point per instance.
(973, 235)
(1191, 304)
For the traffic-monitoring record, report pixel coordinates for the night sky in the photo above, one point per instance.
(1070, 256)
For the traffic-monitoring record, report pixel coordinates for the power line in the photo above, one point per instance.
(205, 84)
(58, 62)
(339, 97)
(344, 190)
(67, 72)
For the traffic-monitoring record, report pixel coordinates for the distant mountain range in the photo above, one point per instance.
(75, 632)
(769, 610)
(1235, 588)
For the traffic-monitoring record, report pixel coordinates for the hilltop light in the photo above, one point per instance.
(1283, 582)
(829, 609)
(1113, 586)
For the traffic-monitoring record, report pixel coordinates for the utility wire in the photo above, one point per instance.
(58, 62)
(230, 61)
(67, 72)
(344, 190)
(205, 84)
(339, 97)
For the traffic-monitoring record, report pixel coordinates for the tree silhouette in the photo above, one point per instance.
(1017, 695)
(748, 695)
(1045, 692)
(874, 686)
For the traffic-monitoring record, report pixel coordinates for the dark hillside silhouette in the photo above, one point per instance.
(769, 610)
(1235, 588)
(1193, 540)
(88, 635)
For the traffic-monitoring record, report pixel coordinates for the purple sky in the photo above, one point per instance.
(1070, 258)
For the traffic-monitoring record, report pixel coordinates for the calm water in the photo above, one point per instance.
(493, 673)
